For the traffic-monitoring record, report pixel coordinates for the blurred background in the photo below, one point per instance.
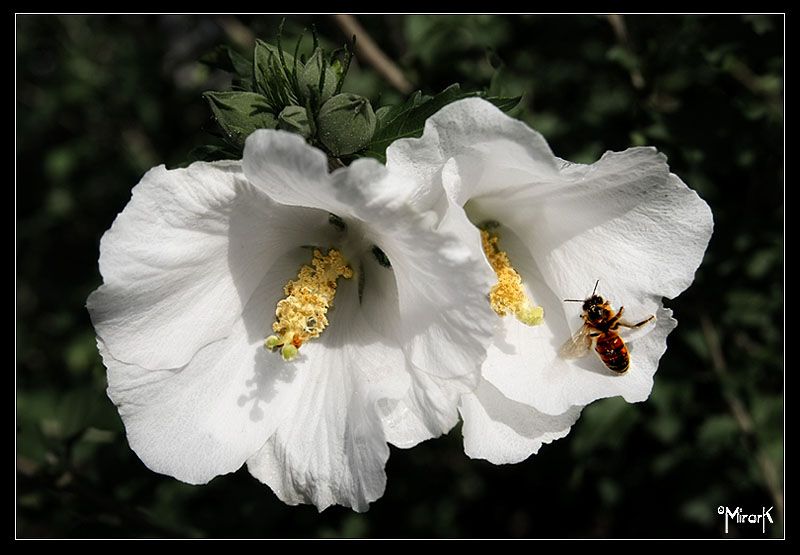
(101, 99)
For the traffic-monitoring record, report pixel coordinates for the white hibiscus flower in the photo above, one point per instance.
(381, 321)
(550, 230)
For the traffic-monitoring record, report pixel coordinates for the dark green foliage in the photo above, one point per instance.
(240, 113)
(300, 93)
(295, 119)
(103, 99)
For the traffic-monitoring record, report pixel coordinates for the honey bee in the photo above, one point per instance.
(600, 325)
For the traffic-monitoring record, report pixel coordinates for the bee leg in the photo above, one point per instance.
(633, 326)
(613, 322)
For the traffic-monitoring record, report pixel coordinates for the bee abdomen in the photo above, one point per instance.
(613, 353)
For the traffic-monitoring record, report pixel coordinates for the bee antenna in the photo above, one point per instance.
(573, 300)
(595, 287)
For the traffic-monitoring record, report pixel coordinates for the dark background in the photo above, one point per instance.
(101, 99)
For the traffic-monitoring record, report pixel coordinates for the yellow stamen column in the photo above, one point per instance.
(302, 314)
(508, 295)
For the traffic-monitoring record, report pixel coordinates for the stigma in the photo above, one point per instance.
(302, 314)
(508, 295)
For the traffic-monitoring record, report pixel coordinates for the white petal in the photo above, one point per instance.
(428, 410)
(183, 258)
(644, 231)
(432, 299)
(440, 280)
(524, 365)
(624, 220)
(290, 171)
(493, 151)
(433, 302)
(503, 431)
(332, 449)
(633, 226)
(208, 417)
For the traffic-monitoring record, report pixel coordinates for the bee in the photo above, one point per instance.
(600, 325)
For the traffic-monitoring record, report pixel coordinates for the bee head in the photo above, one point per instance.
(593, 306)
(592, 302)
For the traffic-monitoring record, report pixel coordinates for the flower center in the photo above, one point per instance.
(508, 295)
(301, 315)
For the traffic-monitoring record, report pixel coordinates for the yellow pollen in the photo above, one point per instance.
(301, 315)
(508, 295)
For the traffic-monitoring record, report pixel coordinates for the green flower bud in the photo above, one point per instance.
(271, 342)
(295, 119)
(309, 77)
(346, 123)
(288, 352)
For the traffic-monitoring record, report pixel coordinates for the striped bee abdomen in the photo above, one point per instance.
(613, 352)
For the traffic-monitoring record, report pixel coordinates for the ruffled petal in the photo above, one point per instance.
(624, 220)
(332, 449)
(503, 431)
(632, 225)
(498, 152)
(441, 318)
(290, 171)
(440, 279)
(183, 258)
(208, 417)
(435, 287)
(427, 296)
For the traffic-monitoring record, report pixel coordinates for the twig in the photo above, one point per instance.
(372, 54)
(741, 415)
(237, 32)
(621, 32)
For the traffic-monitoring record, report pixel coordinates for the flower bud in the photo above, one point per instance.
(309, 78)
(288, 352)
(295, 119)
(346, 123)
(271, 342)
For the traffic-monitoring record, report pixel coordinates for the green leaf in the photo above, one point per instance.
(295, 120)
(211, 153)
(505, 103)
(240, 113)
(241, 65)
(408, 119)
(228, 59)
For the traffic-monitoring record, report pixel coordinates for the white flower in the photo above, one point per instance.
(624, 220)
(194, 268)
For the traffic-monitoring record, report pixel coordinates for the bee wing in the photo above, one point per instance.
(578, 345)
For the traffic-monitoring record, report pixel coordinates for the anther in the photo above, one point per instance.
(302, 314)
(508, 294)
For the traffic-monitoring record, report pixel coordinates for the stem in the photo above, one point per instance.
(372, 54)
(334, 163)
(742, 416)
(236, 31)
(621, 32)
